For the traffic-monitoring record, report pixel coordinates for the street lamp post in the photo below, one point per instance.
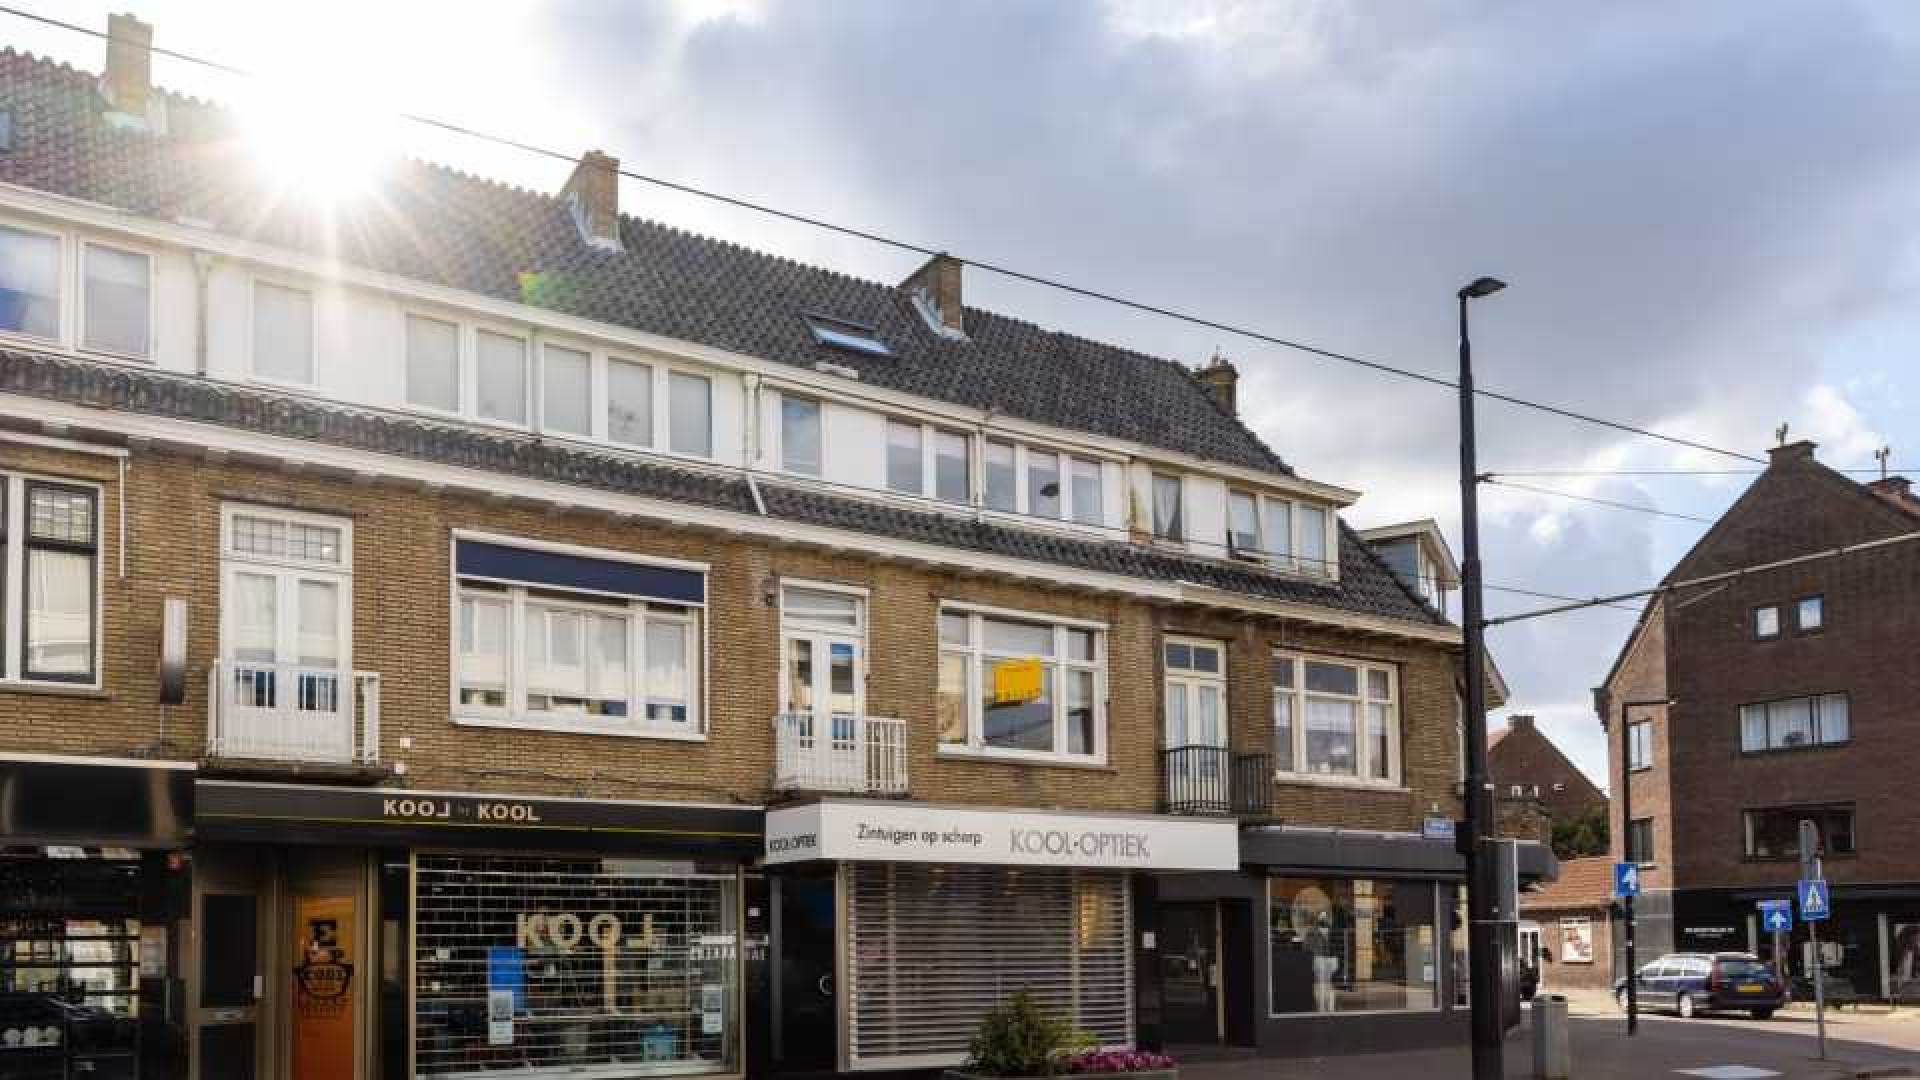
(1489, 1033)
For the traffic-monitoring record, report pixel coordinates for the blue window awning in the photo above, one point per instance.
(560, 570)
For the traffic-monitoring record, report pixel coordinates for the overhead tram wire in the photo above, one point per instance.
(1609, 503)
(1499, 473)
(1001, 270)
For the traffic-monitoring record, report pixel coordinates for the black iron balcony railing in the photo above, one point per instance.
(1217, 780)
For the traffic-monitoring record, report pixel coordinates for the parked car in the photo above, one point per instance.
(1690, 983)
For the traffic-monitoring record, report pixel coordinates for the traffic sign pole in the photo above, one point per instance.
(1813, 884)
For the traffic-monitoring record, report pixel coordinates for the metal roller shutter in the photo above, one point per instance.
(932, 948)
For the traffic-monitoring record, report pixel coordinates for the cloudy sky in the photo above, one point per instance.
(1707, 211)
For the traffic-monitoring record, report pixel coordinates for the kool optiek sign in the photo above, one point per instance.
(896, 832)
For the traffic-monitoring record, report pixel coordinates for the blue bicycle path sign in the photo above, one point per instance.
(1626, 879)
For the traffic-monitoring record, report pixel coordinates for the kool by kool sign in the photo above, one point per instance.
(505, 813)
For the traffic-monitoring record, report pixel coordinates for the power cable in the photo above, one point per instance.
(1890, 470)
(1655, 511)
(921, 249)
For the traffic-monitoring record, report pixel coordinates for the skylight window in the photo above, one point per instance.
(845, 334)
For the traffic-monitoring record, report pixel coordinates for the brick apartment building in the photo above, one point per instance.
(461, 630)
(1785, 693)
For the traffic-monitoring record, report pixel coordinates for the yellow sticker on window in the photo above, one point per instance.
(1016, 681)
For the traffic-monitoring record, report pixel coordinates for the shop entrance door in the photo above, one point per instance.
(229, 997)
(1190, 973)
(806, 1035)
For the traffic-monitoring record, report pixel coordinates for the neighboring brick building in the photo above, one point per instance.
(1566, 926)
(465, 630)
(1536, 786)
(1779, 693)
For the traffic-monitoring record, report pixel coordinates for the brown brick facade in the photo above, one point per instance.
(401, 614)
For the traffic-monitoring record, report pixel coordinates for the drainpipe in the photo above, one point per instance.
(202, 271)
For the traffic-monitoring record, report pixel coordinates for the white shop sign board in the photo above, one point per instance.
(905, 832)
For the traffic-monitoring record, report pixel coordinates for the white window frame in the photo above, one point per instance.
(64, 280)
(792, 626)
(779, 433)
(663, 431)
(1396, 723)
(596, 389)
(1154, 476)
(1189, 681)
(292, 284)
(13, 593)
(1291, 558)
(153, 302)
(286, 567)
(470, 372)
(463, 388)
(514, 715)
(976, 654)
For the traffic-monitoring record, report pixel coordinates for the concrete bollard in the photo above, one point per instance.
(1551, 1059)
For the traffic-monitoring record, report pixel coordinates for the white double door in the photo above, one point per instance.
(825, 687)
(1196, 734)
(285, 649)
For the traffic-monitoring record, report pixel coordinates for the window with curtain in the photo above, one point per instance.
(30, 283)
(1774, 832)
(690, 414)
(629, 402)
(1243, 523)
(433, 363)
(566, 390)
(1167, 509)
(1335, 718)
(58, 560)
(118, 295)
(987, 702)
(800, 435)
(1794, 723)
(500, 377)
(1313, 555)
(904, 458)
(538, 654)
(1043, 483)
(1002, 477)
(1089, 502)
(283, 325)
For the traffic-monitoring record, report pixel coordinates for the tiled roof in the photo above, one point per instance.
(1582, 883)
(436, 225)
(1365, 587)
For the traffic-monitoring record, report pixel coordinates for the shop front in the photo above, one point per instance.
(388, 932)
(1869, 947)
(91, 875)
(934, 914)
(1328, 942)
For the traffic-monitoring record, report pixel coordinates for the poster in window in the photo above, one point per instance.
(323, 971)
(1903, 962)
(1576, 941)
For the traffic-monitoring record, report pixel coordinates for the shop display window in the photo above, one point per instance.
(69, 962)
(1342, 945)
(588, 966)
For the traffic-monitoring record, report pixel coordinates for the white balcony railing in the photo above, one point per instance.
(859, 754)
(293, 712)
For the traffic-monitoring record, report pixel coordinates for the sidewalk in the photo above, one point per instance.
(1601, 1050)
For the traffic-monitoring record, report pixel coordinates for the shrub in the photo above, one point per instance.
(1095, 1062)
(1018, 1038)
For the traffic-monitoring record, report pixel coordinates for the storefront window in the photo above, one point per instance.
(1458, 973)
(69, 962)
(1352, 945)
(583, 965)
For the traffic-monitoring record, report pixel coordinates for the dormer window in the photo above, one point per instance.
(846, 334)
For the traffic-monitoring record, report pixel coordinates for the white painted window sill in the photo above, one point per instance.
(1019, 757)
(1349, 783)
(564, 728)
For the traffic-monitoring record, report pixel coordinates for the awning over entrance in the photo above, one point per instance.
(1376, 852)
(302, 813)
(856, 830)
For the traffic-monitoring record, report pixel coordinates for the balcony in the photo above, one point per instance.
(860, 755)
(1215, 780)
(293, 713)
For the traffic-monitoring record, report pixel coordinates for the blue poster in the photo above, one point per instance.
(507, 970)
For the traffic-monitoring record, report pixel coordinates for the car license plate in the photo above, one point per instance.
(1752, 988)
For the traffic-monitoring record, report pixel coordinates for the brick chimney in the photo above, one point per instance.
(128, 82)
(593, 193)
(936, 290)
(1222, 380)
(1520, 722)
(1897, 487)
(1798, 450)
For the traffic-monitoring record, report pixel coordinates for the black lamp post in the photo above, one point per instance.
(1489, 1033)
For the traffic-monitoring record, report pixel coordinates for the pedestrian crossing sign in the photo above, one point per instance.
(1814, 902)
